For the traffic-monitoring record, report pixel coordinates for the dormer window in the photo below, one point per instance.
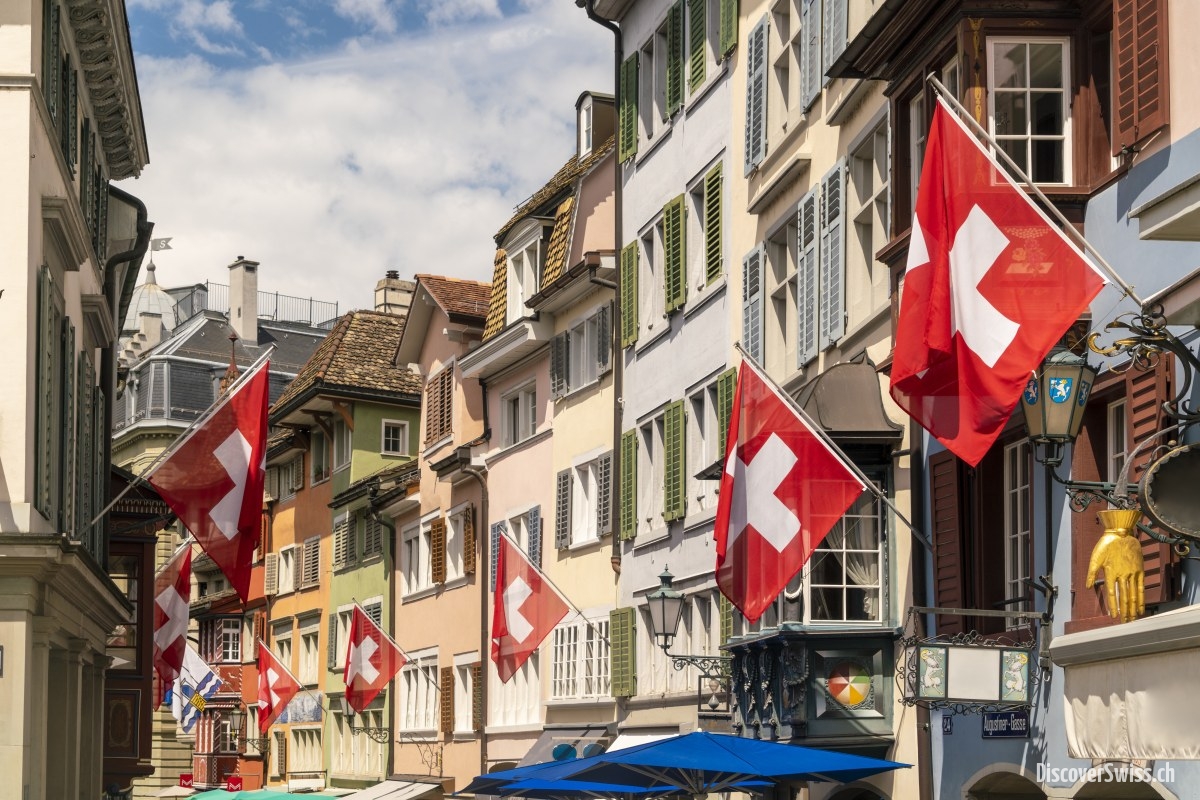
(585, 127)
(525, 255)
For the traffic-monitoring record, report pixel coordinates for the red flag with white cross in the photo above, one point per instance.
(525, 608)
(783, 489)
(276, 687)
(372, 659)
(990, 286)
(172, 590)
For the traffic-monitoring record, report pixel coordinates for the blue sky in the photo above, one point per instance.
(332, 140)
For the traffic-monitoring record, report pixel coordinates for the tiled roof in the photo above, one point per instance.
(498, 309)
(561, 180)
(560, 242)
(356, 355)
(458, 297)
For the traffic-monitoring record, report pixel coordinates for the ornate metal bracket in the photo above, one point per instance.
(1149, 340)
(381, 735)
(261, 744)
(709, 666)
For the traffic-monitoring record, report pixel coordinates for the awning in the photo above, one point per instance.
(397, 790)
(576, 742)
(846, 400)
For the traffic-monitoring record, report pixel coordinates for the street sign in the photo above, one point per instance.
(947, 724)
(1006, 725)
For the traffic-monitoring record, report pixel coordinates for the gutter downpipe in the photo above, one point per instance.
(481, 573)
(373, 513)
(618, 356)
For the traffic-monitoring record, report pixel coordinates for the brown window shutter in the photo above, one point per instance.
(432, 410)
(468, 540)
(446, 690)
(260, 630)
(1140, 89)
(1145, 392)
(944, 491)
(477, 696)
(437, 549)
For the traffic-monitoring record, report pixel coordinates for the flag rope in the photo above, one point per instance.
(830, 443)
(947, 97)
(217, 405)
(188, 541)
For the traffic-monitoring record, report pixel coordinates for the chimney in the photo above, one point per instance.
(392, 295)
(150, 326)
(243, 299)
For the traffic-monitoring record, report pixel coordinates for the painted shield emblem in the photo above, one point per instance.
(1031, 391)
(1060, 389)
(1084, 389)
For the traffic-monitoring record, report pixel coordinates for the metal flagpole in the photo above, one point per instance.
(279, 661)
(829, 442)
(947, 97)
(188, 432)
(407, 658)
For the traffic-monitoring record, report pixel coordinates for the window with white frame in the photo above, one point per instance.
(517, 702)
(225, 737)
(415, 550)
(457, 522)
(703, 446)
(310, 652)
(306, 754)
(353, 755)
(585, 127)
(652, 301)
(394, 438)
(287, 569)
(291, 477)
(318, 450)
(1017, 525)
(524, 270)
(1029, 104)
(784, 51)
(703, 42)
(231, 640)
(583, 498)
(579, 669)
(340, 634)
(419, 693)
(248, 636)
(341, 444)
(652, 85)
(519, 411)
(843, 581)
(705, 239)
(582, 353)
(918, 131)
(780, 279)
(281, 643)
(650, 474)
(1117, 440)
(464, 693)
(868, 211)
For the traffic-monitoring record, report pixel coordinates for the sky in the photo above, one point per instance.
(333, 140)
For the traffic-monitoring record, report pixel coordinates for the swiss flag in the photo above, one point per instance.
(991, 285)
(524, 610)
(372, 659)
(172, 590)
(276, 687)
(213, 481)
(783, 489)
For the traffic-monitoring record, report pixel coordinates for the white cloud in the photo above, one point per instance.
(406, 155)
(376, 13)
(441, 12)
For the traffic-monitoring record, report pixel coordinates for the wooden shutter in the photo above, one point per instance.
(835, 32)
(675, 256)
(437, 549)
(260, 631)
(629, 294)
(1145, 392)
(807, 269)
(674, 467)
(477, 696)
(562, 509)
(713, 246)
(331, 643)
(468, 535)
(271, 484)
(1141, 89)
(312, 561)
(729, 26)
(726, 384)
(558, 365)
(697, 31)
(833, 257)
(432, 410)
(752, 304)
(756, 95)
(627, 128)
(446, 693)
(604, 494)
(372, 537)
(726, 612)
(49, 327)
(675, 58)
(298, 473)
(493, 549)
(810, 52)
(627, 525)
(375, 612)
(622, 652)
(947, 532)
(535, 536)
(271, 575)
(65, 488)
(603, 339)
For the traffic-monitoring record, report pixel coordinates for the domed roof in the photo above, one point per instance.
(150, 298)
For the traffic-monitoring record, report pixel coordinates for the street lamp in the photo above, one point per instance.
(381, 735)
(665, 605)
(237, 716)
(1054, 401)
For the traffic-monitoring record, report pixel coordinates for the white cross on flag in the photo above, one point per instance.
(372, 659)
(524, 610)
(276, 687)
(213, 480)
(783, 489)
(172, 590)
(990, 286)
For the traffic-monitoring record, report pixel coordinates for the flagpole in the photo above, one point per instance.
(407, 659)
(187, 433)
(829, 442)
(296, 680)
(187, 542)
(945, 95)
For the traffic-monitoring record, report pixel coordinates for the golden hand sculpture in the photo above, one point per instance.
(1119, 554)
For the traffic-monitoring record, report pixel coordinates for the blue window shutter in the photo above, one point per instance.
(833, 256)
(756, 95)
(807, 239)
(752, 305)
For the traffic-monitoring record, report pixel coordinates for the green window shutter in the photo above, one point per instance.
(622, 652)
(629, 293)
(675, 58)
(752, 303)
(696, 37)
(628, 510)
(726, 619)
(726, 383)
(66, 452)
(833, 257)
(807, 268)
(46, 403)
(675, 245)
(675, 462)
(627, 131)
(729, 24)
(713, 246)
(756, 95)
(810, 52)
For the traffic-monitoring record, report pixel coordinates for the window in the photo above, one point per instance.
(282, 643)
(415, 547)
(291, 478)
(339, 636)
(306, 755)
(231, 640)
(465, 667)
(1116, 442)
(650, 475)
(287, 569)
(341, 444)
(868, 211)
(460, 525)
(784, 52)
(395, 438)
(419, 693)
(652, 89)
(520, 415)
(708, 423)
(318, 455)
(1018, 503)
(581, 354)
(843, 579)
(524, 270)
(780, 278)
(225, 737)
(704, 238)
(698, 633)
(580, 660)
(353, 755)
(585, 127)
(583, 497)
(310, 651)
(517, 702)
(1027, 103)
(918, 122)
(439, 405)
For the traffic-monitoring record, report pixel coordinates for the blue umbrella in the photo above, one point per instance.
(492, 781)
(563, 789)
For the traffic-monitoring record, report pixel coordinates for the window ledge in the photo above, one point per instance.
(528, 727)
(504, 451)
(707, 293)
(464, 736)
(418, 735)
(652, 144)
(580, 547)
(453, 583)
(603, 701)
(655, 536)
(652, 337)
(433, 447)
(701, 518)
(1169, 631)
(711, 81)
(420, 594)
